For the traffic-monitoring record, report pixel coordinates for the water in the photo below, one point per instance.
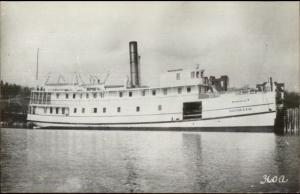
(146, 161)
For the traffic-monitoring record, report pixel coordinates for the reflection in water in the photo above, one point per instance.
(192, 153)
(287, 161)
(131, 180)
(145, 161)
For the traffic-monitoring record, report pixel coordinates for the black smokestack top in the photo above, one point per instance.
(134, 64)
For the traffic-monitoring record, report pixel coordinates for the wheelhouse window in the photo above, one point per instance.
(197, 74)
(119, 109)
(80, 95)
(137, 109)
(57, 95)
(74, 96)
(130, 94)
(51, 110)
(143, 93)
(165, 91)
(75, 110)
(104, 110)
(67, 96)
(87, 95)
(153, 92)
(188, 89)
(95, 95)
(95, 110)
(177, 76)
(45, 110)
(82, 110)
(63, 110)
(121, 94)
(56, 110)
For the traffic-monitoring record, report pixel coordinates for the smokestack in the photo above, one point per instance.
(134, 64)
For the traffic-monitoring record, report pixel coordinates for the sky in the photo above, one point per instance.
(248, 41)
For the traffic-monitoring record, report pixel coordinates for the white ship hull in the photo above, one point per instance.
(258, 110)
(242, 122)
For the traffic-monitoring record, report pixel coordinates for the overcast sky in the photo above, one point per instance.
(248, 41)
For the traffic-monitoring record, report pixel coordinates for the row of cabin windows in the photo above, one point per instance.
(165, 92)
(53, 110)
(95, 110)
(193, 75)
(40, 97)
(196, 74)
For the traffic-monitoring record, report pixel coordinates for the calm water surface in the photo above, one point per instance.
(146, 161)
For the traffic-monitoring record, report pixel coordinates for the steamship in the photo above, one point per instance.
(185, 99)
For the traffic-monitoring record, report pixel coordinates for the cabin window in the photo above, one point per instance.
(153, 92)
(95, 95)
(130, 94)
(67, 96)
(41, 98)
(51, 110)
(165, 91)
(57, 95)
(119, 109)
(95, 110)
(179, 90)
(188, 89)
(83, 110)
(193, 74)
(87, 95)
(177, 76)
(120, 94)
(74, 96)
(197, 74)
(143, 93)
(56, 110)
(104, 110)
(45, 110)
(48, 99)
(63, 110)
(137, 109)
(75, 110)
(34, 109)
(159, 107)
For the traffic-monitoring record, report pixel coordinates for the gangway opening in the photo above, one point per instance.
(192, 110)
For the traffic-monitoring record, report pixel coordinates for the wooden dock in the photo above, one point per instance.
(288, 121)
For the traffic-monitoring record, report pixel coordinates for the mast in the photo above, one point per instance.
(37, 65)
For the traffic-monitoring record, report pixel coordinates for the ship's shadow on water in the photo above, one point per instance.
(146, 161)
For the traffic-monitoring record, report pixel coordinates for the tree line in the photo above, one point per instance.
(14, 100)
